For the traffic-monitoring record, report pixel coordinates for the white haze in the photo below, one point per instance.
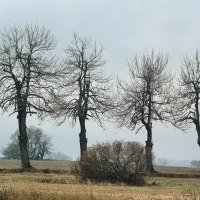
(124, 28)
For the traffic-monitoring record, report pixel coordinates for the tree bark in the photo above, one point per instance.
(196, 121)
(149, 165)
(25, 163)
(198, 134)
(82, 137)
(148, 152)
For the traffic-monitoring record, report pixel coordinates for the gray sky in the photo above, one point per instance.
(124, 28)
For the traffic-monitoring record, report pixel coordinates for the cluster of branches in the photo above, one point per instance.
(25, 68)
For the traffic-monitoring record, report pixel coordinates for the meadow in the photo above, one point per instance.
(53, 180)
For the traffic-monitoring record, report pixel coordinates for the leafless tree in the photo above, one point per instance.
(86, 92)
(59, 156)
(186, 105)
(162, 161)
(27, 74)
(145, 99)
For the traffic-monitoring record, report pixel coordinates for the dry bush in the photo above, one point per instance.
(115, 162)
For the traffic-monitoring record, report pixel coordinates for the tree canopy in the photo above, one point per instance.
(39, 145)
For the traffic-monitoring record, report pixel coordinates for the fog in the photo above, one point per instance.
(124, 28)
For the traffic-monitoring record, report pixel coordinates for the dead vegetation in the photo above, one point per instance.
(114, 162)
(59, 184)
(34, 170)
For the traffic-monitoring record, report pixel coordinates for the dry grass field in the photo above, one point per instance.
(55, 182)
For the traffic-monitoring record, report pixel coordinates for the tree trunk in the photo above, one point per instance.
(148, 152)
(198, 140)
(23, 140)
(42, 151)
(149, 164)
(42, 156)
(198, 134)
(82, 137)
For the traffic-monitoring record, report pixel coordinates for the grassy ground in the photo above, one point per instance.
(50, 185)
(177, 170)
(6, 164)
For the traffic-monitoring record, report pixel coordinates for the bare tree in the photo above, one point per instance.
(162, 161)
(145, 99)
(86, 92)
(27, 75)
(186, 105)
(59, 156)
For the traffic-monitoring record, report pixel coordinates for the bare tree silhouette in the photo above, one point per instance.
(28, 72)
(87, 91)
(145, 99)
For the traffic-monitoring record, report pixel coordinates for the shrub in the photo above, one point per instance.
(114, 162)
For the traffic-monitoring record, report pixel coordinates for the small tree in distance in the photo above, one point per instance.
(195, 163)
(162, 161)
(11, 151)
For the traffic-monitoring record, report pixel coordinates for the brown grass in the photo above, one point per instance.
(39, 164)
(13, 194)
(51, 184)
(61, 186)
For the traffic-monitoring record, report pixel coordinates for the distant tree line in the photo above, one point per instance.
(39, 146)
(35, 81)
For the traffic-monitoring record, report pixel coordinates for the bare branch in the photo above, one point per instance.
(186, 107)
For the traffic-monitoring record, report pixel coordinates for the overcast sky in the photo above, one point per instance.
(124, 27)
